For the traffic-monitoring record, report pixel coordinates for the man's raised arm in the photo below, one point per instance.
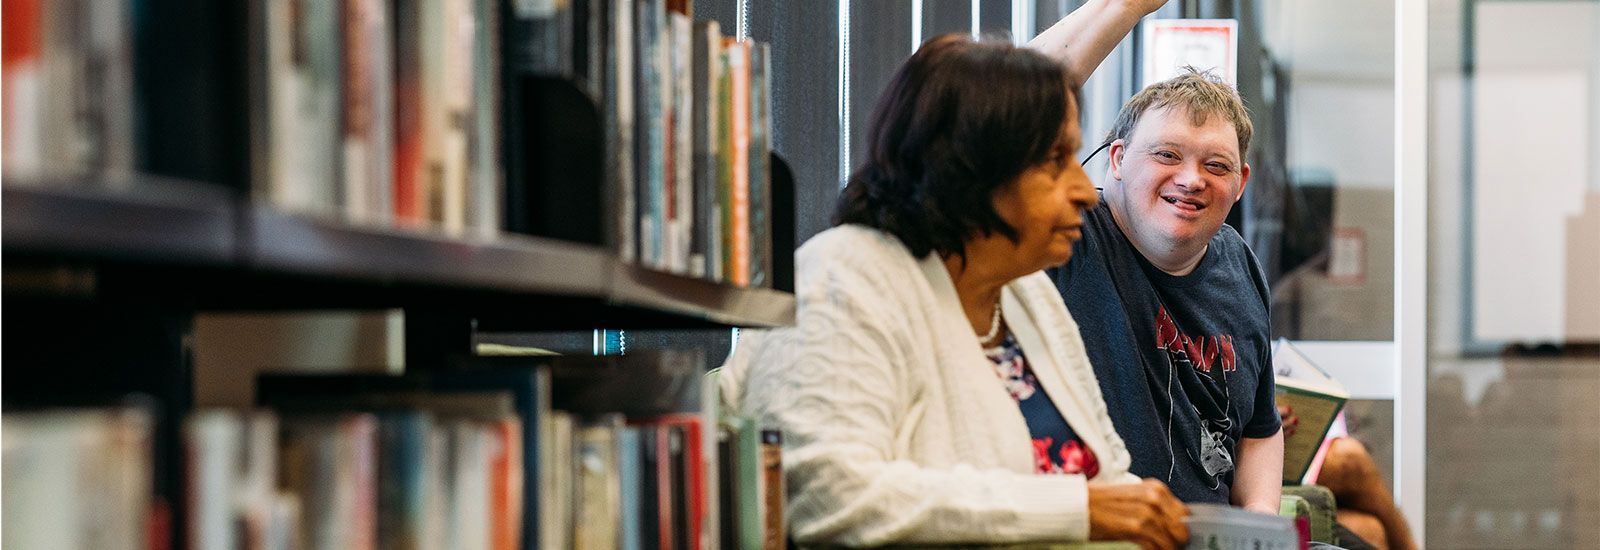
(1084, 38)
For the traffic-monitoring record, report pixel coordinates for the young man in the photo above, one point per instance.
(1172, 305)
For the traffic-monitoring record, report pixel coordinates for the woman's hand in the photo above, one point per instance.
(1144, 513)
(1290, 421)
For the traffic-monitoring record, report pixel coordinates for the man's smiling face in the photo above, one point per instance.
(1175, 181)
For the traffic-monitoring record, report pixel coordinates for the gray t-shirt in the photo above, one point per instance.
(1184, 362)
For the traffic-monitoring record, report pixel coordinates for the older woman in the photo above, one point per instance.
(934, 389)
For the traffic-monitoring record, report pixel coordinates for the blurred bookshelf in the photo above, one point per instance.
(477, 164)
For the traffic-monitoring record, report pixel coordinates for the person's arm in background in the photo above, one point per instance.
(1258, 483)
(1084, 38)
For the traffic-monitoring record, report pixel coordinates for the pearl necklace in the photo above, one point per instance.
(994, 325)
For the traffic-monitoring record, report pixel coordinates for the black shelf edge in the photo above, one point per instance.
(297, 245)
(636, 286)
(140, 219)
(196, 241)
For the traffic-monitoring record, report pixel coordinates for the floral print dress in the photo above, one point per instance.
(1056, 448)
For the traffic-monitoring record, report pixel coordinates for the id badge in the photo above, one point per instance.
(1214, 456)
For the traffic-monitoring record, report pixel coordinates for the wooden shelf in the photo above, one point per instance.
(229, 254)
(296, 245)
(135, 219)
(717, 303)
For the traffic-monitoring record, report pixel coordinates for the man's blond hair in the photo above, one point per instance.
(1201, 94)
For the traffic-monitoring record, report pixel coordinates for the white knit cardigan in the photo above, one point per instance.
(896, 429)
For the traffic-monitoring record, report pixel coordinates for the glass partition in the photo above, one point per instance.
(1513, 394)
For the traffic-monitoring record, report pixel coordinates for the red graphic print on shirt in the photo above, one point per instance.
(1203, 353)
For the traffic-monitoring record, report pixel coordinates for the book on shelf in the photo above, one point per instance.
(618, 132)
(1316, 400)
(69, 89)
(296, 103)
(650, 133)
(367, 110)
(231, 464)
(331, 462)
(376, 113)
(630, 481)
(751, 491)
(736, 207)
(507, 406)
(773, 490)
(598, 520)
(486, 173)
(450, 463)
(79, 478)
(680, 193)
(454, 117)
(706, 74)
(760, 155)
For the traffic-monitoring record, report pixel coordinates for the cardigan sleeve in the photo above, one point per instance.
(838, 386)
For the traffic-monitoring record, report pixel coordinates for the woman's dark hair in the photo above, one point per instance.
(959, 120)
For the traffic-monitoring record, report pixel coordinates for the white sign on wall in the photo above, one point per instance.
(1169, 45)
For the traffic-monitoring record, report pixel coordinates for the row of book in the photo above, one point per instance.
(412, 113)
(68, 94)
(378, 112)
(688, 136)
(396, 114)
(77, 479)
(548, 453)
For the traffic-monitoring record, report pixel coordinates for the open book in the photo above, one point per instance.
(1315, 398)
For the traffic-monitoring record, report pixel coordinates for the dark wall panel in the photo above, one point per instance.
(880, 40)
(945, 16)
(994, 19)
(724, 12)
(805, 88)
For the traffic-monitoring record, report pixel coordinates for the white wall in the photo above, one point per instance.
(1534, 172)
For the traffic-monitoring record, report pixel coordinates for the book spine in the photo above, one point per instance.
(760, 166)
(718, 253)
(738, 218)
(507, 485)
(312, 114)
(68, 94)
(776, 531)
(668, 210)
(405, 479)
(669, 488)
(23, 93)
(378, 16)
(258, 494)
(556, 487)
(707, 42)
(359, 453)
(460, 73)
(211, 441)
(619, 169)
(77, 479)
(356, 115)
(410, 166)
(599, 490)
(630, 466)
(487, 179)
(650, 130)
(752, 485)
(683, 140)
